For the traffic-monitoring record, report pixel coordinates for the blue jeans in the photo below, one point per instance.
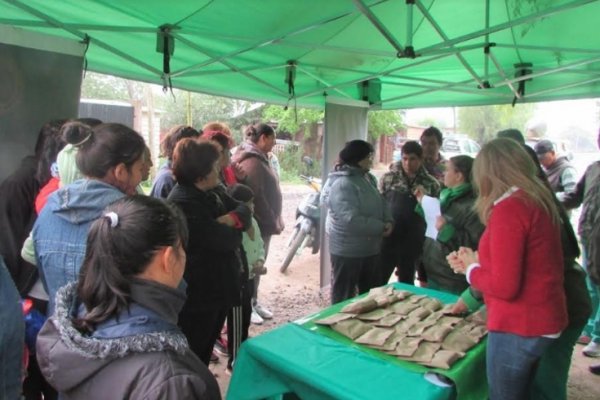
(511, 364)
(592, 328)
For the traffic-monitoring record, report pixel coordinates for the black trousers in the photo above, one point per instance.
(405, 266)
(202, 326)
(238, 323)
(352, 276)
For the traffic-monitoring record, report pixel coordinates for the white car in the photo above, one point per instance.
(455, 145)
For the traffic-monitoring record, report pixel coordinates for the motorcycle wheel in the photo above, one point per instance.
(292, 250)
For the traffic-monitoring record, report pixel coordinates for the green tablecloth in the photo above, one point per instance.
(316, 362)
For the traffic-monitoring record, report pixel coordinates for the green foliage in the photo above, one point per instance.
(292, 166)
(482, 123)
(384, 123)
(202, 108)
(292, 120)
(430, 121)
(104, 87)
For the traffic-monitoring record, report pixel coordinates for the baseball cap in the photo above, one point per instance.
(543, 146)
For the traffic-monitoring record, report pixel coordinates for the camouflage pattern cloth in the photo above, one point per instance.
(436, 168)
(396, 180)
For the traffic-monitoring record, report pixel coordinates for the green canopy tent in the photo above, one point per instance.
(382, 54)
(393, 53)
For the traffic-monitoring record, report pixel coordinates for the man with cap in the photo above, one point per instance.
(561, 174)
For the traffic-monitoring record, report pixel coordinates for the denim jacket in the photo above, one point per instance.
(60, 232)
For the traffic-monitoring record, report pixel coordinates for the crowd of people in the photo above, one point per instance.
(128, 295)
(503, 241)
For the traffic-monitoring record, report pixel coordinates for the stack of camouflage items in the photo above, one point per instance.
(411, 327)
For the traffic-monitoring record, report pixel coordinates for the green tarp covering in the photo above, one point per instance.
(242, 48)
(316, 362)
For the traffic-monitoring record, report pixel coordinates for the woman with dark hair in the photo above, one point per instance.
(56, 180)
(357, 221)
(114, 333)
(164, 180)
(17, 196)
(459, 225)
(213, 269)
(252, 159)
(519, 267)
(110, 156)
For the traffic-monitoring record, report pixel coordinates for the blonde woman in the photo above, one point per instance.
(519, 267)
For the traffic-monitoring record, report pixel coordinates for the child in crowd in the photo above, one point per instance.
(254, 252)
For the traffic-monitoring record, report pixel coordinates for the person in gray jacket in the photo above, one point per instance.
(114, 334)
(357, 220)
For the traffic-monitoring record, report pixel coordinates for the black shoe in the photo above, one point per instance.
(595, 369)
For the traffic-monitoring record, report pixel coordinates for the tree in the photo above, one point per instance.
(293, 119)
(482, 123)
(384, 123)
(202, 108)
(104, 87)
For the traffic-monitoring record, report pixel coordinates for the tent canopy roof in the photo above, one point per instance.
(431, 53)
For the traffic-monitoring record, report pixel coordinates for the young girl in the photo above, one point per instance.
(110, 156)
(114, 334)
(253, 250)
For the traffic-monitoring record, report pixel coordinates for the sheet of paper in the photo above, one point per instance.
(431, 208)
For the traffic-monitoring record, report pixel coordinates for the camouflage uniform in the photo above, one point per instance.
(404, 246)
(398, 181)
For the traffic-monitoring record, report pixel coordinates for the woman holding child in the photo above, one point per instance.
(213, 268)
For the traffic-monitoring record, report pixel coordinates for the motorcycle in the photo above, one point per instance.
(307, 226)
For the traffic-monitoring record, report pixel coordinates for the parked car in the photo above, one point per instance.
(455, 145)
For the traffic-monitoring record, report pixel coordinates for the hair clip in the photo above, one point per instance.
(113, 217)
(85, 139)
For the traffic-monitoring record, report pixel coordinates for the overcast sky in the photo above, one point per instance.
(558, 115)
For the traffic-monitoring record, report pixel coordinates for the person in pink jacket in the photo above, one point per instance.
(519, 267)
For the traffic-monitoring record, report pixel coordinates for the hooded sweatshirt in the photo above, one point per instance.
(139, 354)
(60, 232)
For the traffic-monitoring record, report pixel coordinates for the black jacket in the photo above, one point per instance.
(17, 215)
(213, 269)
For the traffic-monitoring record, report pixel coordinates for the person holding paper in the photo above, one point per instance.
(459, 225)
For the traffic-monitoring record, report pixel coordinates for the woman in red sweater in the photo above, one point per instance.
(519, 267)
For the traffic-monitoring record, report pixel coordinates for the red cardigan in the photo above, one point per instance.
(521, 272)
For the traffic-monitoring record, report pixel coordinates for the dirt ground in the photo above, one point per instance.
(297, 293)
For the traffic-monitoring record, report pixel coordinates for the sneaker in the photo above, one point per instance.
(214, 358)
(592, 349)
(263, 311)
(256, 319)
(595, 369)
(584, 339)
(221, 348)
